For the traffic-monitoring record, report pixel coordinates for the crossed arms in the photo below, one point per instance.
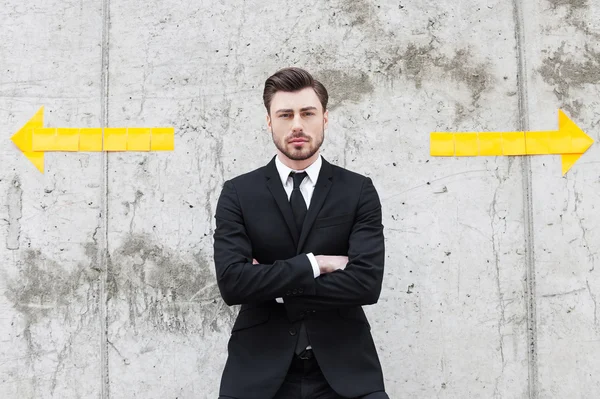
(352, 281)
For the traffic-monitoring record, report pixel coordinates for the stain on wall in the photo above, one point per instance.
(343, 86)
(577, 13)
(43, 292)
(54, 305)
(359, 12)
(15, 205)
(562, 71)
(44, 288)
(415, 61)
(162, 289)
(462, 69)
(424, 62)
(571, 4)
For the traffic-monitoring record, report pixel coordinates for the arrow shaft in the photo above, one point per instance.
(102, 139)
(501, 143)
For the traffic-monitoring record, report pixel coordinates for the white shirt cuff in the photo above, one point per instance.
(315, 265)
(279, 300)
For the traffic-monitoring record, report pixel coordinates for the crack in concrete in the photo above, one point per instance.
(15, 208)
(66, 349)
(595, 303)
(203, 125)
(216, 182)
(347, 147)
(493, 214)
(584, 231)
(126, 361)
(132, 206)
(563, 293)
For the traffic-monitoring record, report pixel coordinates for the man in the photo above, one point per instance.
(299, 244)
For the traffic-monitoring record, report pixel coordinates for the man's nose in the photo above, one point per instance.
(297, 124)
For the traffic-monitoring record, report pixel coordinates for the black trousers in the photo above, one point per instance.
(305, 380)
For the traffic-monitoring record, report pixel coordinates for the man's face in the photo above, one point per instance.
(297, 123)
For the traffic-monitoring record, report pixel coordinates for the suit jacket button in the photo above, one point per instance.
(294, 291)
(301, 290)
(292, 331)
(289, 293)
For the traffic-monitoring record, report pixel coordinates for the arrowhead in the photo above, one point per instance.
(580, 142)
(569, 160)
(36, 158)
(24, 139)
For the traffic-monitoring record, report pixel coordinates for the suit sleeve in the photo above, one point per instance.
(239, 280)
(360, 282)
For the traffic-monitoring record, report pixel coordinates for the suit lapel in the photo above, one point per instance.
(316, 203)
(278, 192)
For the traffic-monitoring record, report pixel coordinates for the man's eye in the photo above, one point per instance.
(309, 113)
(284, 115)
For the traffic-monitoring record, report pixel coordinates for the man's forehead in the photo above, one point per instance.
(295, 99)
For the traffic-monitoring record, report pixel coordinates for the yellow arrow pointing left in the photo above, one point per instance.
(33, 139)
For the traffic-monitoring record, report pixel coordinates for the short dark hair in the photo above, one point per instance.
(293, 79)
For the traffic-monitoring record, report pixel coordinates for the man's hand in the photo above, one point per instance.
(328, 264)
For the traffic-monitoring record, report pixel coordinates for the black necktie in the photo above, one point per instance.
(297, 200)
(299, 210)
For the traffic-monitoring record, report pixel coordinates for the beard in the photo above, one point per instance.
(308, 149)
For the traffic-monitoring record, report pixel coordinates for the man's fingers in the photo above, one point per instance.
(254, 262)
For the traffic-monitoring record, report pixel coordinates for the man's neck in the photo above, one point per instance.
(297, 165)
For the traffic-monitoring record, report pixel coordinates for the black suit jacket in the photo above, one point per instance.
(254, 220)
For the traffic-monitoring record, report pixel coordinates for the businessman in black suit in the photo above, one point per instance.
(299, 244)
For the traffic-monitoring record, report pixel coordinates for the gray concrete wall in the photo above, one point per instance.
(492, 280)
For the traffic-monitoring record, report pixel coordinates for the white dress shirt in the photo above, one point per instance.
(307, 187)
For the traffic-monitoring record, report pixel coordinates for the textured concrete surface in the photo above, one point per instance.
(492, 280)
(563, 60)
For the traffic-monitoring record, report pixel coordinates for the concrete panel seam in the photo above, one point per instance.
(530, 293)
(103, 241)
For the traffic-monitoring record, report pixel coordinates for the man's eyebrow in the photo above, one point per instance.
(310, 108)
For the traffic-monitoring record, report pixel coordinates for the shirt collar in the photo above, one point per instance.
(312, 171)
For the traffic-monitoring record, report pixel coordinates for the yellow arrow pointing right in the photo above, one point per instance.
(569, 141)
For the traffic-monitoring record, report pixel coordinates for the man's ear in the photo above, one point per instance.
(325, 119)
(269, 122)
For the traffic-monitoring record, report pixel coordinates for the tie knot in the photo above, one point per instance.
(298, 177)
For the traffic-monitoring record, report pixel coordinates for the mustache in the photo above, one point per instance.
(299, 136)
